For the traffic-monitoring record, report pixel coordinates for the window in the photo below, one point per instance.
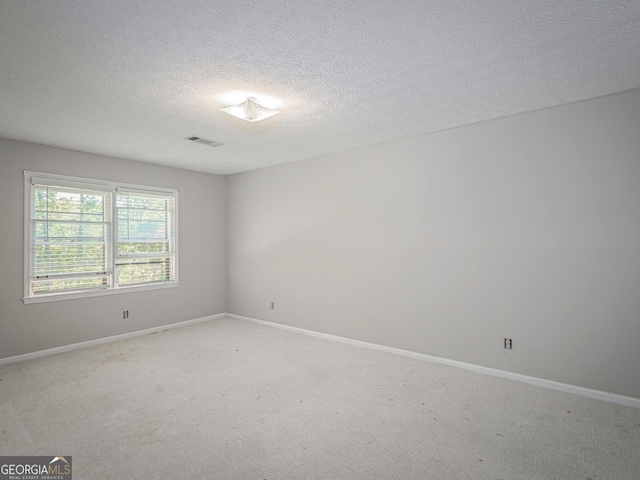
(86, 237)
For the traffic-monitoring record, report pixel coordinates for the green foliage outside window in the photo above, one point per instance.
(71, 239)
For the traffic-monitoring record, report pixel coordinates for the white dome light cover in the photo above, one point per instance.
(250, 110)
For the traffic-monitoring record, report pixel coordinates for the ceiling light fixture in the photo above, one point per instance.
(250, 110)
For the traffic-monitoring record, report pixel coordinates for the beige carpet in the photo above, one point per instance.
(233, 400)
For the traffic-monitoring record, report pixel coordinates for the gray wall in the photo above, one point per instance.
(202, 261)
(525, 227)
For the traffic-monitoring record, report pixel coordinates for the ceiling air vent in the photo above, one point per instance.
(211, 143)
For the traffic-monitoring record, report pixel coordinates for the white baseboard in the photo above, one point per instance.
(98, 341)
(539, 382)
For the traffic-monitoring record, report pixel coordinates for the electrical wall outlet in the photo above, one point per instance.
(125, 314)
(508, 344)
(272, 305)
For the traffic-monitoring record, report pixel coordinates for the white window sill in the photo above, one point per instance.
(55, 297)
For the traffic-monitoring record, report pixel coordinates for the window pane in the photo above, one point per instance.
(69, 284)
(51, 231)
(57, 258)
(131, 229)
(145, 229)
(128, 248)
(70, 238)
(68, 204)
(143, 270)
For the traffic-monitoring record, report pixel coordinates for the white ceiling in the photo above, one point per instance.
(134, 78)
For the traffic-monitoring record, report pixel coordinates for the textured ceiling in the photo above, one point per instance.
(133, 78)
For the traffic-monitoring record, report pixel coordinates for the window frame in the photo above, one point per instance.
(56, 180)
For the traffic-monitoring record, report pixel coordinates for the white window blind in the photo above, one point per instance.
(145, 240)
(70, 237)
(85, 237)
